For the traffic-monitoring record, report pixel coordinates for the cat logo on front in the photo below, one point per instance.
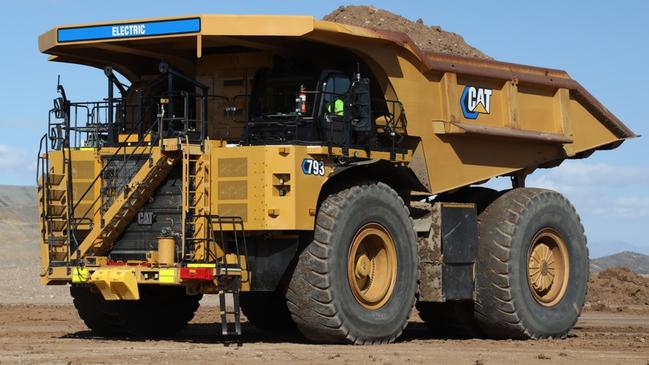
(475, 101)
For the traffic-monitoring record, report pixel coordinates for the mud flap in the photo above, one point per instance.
(447, 244)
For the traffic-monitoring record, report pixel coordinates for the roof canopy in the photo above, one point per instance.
(182, 40)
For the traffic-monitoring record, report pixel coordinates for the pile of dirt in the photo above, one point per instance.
(618, 289)
(427, 38)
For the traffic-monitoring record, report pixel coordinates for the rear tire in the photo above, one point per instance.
(266, 310)
(356, 281)
(532, 269)
(102, 317)
(160, 312)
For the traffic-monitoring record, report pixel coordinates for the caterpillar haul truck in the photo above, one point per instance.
(324, 175)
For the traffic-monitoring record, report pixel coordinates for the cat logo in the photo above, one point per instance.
(475, 101)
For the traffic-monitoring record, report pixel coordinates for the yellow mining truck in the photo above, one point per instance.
(322, 174)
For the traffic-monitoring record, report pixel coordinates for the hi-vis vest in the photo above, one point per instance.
(339, 107)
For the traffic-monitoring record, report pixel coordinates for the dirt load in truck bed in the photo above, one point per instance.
(428, 38)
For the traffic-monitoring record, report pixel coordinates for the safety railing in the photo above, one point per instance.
(118, 183)
(324, 121)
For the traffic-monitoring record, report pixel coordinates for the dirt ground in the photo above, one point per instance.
(53, 334)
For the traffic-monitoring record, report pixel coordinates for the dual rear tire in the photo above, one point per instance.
(162, 311)
(531, 273)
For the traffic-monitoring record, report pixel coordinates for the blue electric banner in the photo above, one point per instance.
(129, 30)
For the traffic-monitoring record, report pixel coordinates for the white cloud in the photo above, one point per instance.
(602, 189)
(612, 200)
(575, 174)
(633, 206)
(18, 165)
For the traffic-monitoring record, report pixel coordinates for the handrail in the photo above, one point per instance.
(40, 149)
(113, 156)
(41, 163)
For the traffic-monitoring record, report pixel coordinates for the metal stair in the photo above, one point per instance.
(53, 212)
(194, 204)
(230, 268)
(126, 204)
(54, 205)
(233, 288)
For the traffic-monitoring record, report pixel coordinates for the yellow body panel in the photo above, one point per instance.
(247, 182)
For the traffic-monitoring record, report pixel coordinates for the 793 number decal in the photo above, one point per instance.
(313, 167)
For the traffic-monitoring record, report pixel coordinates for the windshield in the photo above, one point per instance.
(335, 89)
(283, 95)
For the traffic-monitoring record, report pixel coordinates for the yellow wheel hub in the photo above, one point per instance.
(372, 266)
(548, 267)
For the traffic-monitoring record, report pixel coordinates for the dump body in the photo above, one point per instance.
(240, 138)
(542, 114)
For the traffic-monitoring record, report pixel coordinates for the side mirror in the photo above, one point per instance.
(360, 110)
(59, 108)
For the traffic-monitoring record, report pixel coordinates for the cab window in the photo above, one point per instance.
(334, 93)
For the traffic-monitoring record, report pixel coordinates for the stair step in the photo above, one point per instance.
(225, 325)
(55, 194)
(58, 224)
(56, 210)
(54, 179)
(57, 240)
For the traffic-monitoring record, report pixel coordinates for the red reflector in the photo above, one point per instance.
(197, 273)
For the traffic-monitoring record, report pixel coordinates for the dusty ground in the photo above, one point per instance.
(54, 335)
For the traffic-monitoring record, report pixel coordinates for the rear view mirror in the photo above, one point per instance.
(59, 111)
(360, 106)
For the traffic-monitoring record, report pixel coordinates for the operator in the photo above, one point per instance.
(339, 106)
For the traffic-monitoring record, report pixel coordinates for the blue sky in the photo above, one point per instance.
(602, 44)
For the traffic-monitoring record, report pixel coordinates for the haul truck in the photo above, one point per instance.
(326, 176)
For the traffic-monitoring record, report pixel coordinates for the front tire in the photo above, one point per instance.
(532, 269)
(356, 281)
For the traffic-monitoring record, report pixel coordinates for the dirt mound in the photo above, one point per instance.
(428, 38)
(618, 289)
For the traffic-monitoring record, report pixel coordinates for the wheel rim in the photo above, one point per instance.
(548, 267)
(372, 266)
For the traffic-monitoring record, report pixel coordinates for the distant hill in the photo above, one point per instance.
(636, 262)
(18, 223)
